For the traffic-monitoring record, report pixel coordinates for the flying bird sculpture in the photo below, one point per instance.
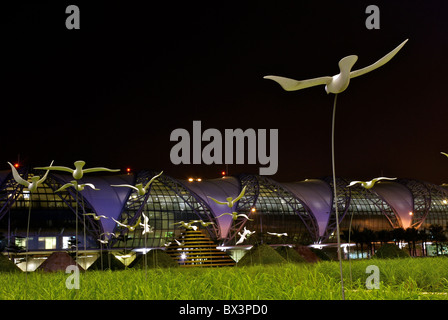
(146, 227)
(96, 217)
(131, 228)
(187, 225)
(35, 180)
(230, 202)
(235, 215)
(141, 190)
(243, 236)
(284, 234)
(204, 224)
(77, 186)
(369, 184)
(339, 82)
(78, 172)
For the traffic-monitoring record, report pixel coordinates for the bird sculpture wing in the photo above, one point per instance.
(240, 195)
(89, 214)
(382, 178)
(152, 179)
(446, 154)
(145, 219)
(58, 168)
(379, 63)
(45, 175)
(353, 183)
(120, 224)
(99, 169)
(224, 214)
(17, 177)
(90, 185)
(124, 185)
(217, 201)
(65, 186)
(245, 216)
(241, 239)
(138, 223)
(293, 85)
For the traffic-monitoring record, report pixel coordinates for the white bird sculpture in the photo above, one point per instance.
(230, 201)
(95, 216)
(178, 242)
(204, 224)
(146, 227)
(337, 83)
(243, 236)
(235, 215)
(103, 241)
(139, 187)
(369, 184)
(77, 186)
(78, 172)
(284, 234)
(131, 228)
(35, 180)
(187, 225)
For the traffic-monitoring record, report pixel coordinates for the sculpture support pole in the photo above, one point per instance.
(336, 198)
(76, 225)
(27, 236)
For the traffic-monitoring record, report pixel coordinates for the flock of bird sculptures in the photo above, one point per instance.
(78, 173)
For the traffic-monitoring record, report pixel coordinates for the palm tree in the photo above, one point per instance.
(437, 235)
(383, 236)
(423, 236)
(357, 238)
(369, 239)
(398, 235)
(410, 236)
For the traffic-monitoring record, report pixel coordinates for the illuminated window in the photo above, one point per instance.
(48, 243)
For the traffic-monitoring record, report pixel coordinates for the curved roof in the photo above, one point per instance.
(399, 198)
(317, 195)
(220, 189)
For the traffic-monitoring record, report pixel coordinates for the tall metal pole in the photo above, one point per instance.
(336, 198)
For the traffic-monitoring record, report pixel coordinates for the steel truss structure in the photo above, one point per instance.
(178, 200)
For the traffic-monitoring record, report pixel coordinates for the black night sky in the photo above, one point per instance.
(112, 92)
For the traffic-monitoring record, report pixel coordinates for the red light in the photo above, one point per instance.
(223, 173)
(16, 165)
(128, 170)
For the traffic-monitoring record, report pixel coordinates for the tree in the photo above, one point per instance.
(423, 236)
(437, 234)
(411, 236)
(383, 236)
(369, 237)
(398, 235)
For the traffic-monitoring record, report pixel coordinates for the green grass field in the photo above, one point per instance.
(409, 278)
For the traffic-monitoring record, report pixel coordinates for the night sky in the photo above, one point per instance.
(112, 92)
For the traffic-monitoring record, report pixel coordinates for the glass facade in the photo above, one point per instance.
(167, 203)
(271, 207)
(52, 217)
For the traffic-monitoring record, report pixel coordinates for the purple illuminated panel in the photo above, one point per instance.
(317, 195)
(219, 189)
(399, 198)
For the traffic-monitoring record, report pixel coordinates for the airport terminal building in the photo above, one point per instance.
(304, 210)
